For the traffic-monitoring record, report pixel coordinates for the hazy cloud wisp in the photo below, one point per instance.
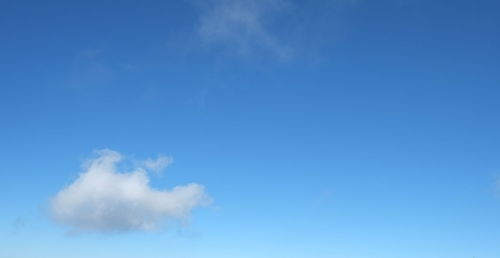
(159, 164)
(104, 199)
(241, 24)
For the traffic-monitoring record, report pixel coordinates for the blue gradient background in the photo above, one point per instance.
(379, 138)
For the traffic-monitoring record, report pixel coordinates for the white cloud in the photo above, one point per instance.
(158, 164)
(243, 25)
(104, 199)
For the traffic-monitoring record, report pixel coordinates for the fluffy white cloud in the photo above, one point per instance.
(242, 24)
(104, 199)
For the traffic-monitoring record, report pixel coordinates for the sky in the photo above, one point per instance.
(258, 128)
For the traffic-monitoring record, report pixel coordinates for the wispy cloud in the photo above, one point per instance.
(104, 199)
(281, 29)
(158, 164)
(18, 224)
(91, 69)
(243, 25)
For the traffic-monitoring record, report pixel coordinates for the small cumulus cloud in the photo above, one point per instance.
(243, 25)
(104, 199)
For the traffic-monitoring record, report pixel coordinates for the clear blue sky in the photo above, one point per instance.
(331, 129)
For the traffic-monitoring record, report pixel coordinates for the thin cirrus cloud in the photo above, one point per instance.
(91, 68)
(274, 28)
(104, 199)
(243, 26)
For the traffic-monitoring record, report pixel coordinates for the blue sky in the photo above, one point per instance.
(349, 129)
